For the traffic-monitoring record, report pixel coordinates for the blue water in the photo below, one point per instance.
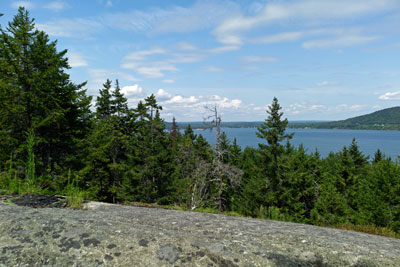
(325, 140)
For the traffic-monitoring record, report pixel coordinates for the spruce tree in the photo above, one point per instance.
(119, 103)
(39, 95)
(103, 102)
(174, 128)
(273, 132)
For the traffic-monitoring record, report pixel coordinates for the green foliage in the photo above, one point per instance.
(30, 185)
(74, 194)
(36, 93)
(273, 131)
(30, 169)
(52, 143)
(385, 119)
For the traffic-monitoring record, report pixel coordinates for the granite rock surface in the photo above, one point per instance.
(115, 235)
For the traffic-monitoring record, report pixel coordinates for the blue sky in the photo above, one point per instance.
(323, 59)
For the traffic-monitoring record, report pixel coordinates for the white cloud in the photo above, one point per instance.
(213, 69)
(178, 99)
(154, 69)
(26, 4)
(75, 59)
(163, 95)
(200, 15)
(347, 108)
(143, 54)
(252, 59)
(326, 83)
(73, 28)
(279, 37)
(139, 62)
(132, 90)
(56, 5)
(109, 3)
(223, 49)
(186, 107)
(310, 108)
(168, 81)
(232, 31)
(186, 46)
(390, 96)
(317, 107)
(340, 41)
(357, 107)
(98, 76)
(186, 57)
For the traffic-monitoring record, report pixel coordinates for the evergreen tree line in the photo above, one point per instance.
(49, 135)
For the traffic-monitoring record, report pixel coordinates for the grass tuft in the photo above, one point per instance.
(369, 229)
(74, 195)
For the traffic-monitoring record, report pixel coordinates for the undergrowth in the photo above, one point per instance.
(74, 195)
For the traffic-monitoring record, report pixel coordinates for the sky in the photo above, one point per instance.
(322, 59)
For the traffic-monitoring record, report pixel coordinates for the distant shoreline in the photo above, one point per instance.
(293, 125)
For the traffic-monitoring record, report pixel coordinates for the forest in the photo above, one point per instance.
(53, 142)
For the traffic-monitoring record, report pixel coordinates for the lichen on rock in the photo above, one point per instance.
(114, 235)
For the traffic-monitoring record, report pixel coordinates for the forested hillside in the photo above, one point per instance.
(385, 119)
(51, 142)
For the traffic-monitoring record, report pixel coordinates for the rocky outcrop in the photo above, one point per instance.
(114, 235)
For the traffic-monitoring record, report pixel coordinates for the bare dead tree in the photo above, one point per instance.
(220, 173)
(216, 123)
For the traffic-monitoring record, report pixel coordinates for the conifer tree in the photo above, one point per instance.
(39, 95)
(174, 128)
(103, 102)
(378, 156)
(273, 131)
(119, 103)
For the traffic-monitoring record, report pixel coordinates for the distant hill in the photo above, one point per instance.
(385, 119)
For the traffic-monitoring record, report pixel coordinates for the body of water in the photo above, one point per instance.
(325, 140)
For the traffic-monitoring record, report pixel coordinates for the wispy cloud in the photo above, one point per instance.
(309, 13)
(186, 57)
(390, 96)
(200, 15)
(223, 49)
(340, 41)
(154, 62)
(253, 59)
(213, 69)
(56, 5)
(76, 59)
(312, 108)
(74, 28)
(186, 46)
(26, 4)
(143, 54)
(98, 76)
(326, 84)
(279, 37)
(168, 81)
(138, 61)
